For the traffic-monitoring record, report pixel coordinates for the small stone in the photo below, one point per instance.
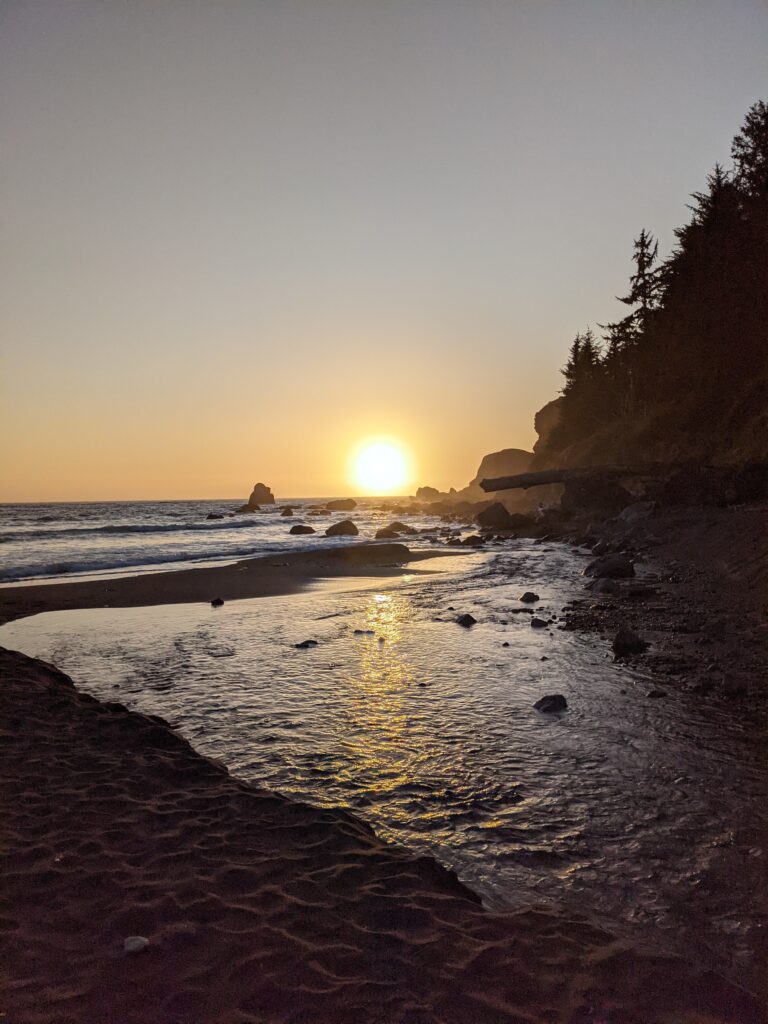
(551, 703)
(306, 643)
(217, 602)
(529, 597)
(135, 944)
(538, 623)
(466, 620)
(505, 644)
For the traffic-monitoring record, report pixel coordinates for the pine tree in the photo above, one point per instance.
(645, 285)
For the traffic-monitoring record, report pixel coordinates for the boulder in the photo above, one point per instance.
(466, 620)
(214, 515)
(402, 528)
(538, 623)
(553, 702)
(305, 644)
(529, 597)
(217, 602)
(637, 512)
(626, 643)
(614, 567)
(495, 516)
(300, 528)
(473, 541)
(346, 528)
(341, 505)
(387, 533)
(287, 511)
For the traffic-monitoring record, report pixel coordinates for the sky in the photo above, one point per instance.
(238, 237)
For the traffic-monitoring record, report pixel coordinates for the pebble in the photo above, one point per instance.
(135, 944)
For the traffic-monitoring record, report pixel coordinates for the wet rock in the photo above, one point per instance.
(300, 528)
(614, 567)
(260, 495)
(505, 644)
(346, 528)
(529, 597)
(626, 643)
(656, 693)
(551, 703)
(306, 644)
(215, 515)
(341, 505)
(466, 620)
(217, 602)
(387, 533)
(538, 623)
(287, 511)
(473, 541)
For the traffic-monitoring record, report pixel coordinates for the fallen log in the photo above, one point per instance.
(562, 476)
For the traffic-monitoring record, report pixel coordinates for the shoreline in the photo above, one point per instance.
(262, 576)
(258, 908)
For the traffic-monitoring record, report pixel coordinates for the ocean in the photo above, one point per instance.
(102, 538)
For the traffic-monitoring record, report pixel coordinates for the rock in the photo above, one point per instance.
(214, 515)
(529, 597)
(135, 944)
(217, 602)
(505, 644)
(627, 643)
(545, 421)
(287, 511)
(260, 495)
(305, 644)
(656, 693)
(551, 703)
(319, 512)
(638, 511)
(363, 632)
(341, 505)
(427, 494)
(615, 567)
(473, 541)
(386, 533)
(538, 623)
(605, 586)
(402, 528)
(466, 620)
(300, 528)
(346, 528)
(495, 516)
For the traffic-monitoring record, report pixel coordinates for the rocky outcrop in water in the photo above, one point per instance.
(260, 495)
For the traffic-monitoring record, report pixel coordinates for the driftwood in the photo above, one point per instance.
(562, 476)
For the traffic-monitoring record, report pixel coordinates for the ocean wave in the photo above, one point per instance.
(120, 561)
(124, 529)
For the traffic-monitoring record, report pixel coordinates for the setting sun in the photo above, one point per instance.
(381, 466)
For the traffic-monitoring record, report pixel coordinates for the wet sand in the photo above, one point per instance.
(258, 908)
(266, 576)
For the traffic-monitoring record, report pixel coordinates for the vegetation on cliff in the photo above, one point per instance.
(685, 372)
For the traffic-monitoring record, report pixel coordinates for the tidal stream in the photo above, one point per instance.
(649, 816)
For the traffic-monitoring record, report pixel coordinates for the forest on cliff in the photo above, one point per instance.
(685, 373)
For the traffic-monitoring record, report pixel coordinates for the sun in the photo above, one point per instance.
(381, 466)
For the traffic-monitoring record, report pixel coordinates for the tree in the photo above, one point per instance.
(645, 284)
(750, 152)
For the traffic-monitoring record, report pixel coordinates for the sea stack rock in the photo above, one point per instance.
(260, 495)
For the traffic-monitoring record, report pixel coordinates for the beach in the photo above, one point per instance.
(258, 908)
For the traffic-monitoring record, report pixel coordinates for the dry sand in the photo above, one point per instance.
(260, 909)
